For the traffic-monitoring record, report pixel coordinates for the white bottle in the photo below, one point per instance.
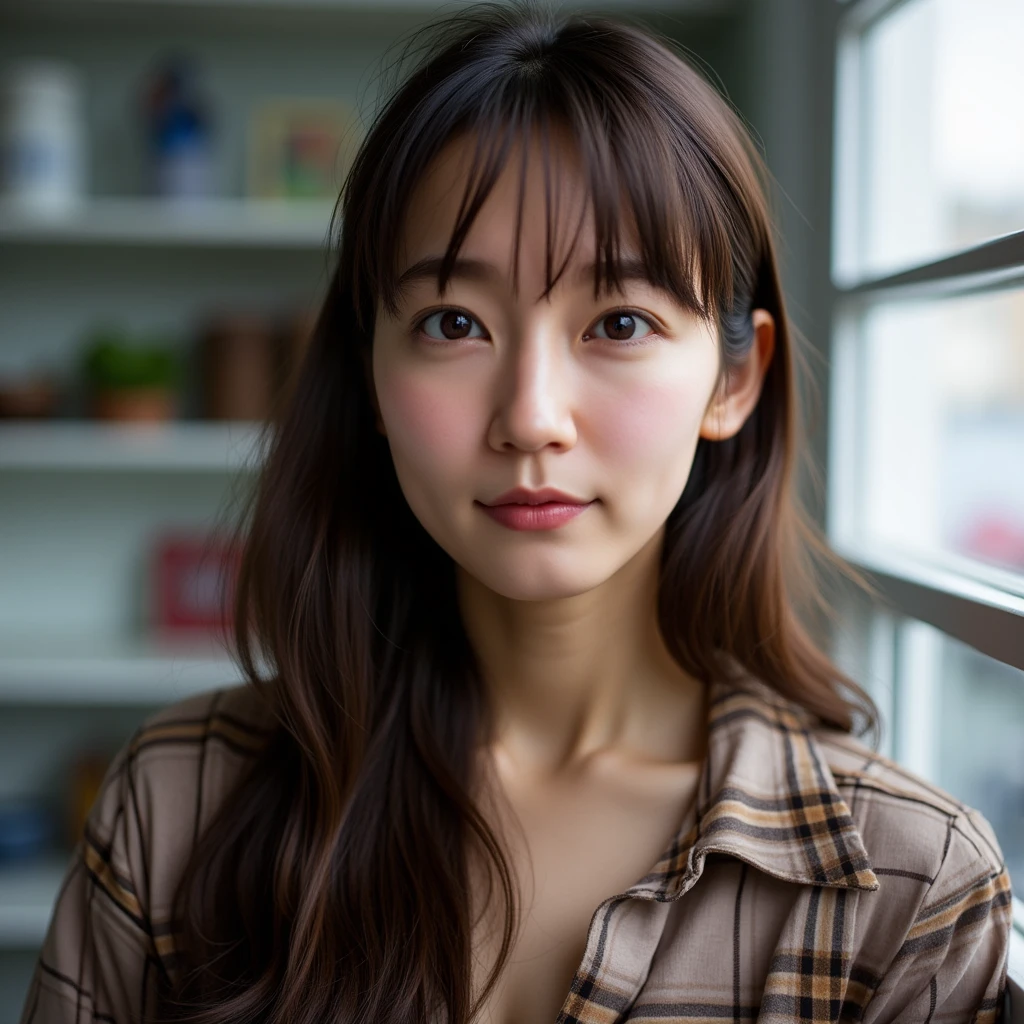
(41, 137)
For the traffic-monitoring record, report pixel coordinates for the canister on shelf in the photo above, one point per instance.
(240, 367)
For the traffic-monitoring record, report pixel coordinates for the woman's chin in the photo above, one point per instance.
(518, 581)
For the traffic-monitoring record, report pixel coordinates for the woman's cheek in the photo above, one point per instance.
(427, 418)
(649, 421)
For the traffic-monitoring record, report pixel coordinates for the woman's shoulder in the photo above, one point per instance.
(935, 933)
(189, 750)
(237, 719)
(113, 919)
(909, 881)
(913, 830)
(165, 784)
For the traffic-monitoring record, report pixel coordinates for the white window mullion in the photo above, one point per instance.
(917, 696)
(882, 670)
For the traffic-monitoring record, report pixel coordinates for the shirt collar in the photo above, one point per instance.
(767, 797)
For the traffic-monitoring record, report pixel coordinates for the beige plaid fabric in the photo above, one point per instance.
(812, 881)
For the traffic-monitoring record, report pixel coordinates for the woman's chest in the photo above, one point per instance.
(737, 944)
(572, 852)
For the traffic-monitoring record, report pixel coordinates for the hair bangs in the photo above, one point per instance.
(632, 187)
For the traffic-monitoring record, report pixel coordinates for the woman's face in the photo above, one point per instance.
(480, 390)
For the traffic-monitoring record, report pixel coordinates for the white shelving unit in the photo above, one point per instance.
(81, 502)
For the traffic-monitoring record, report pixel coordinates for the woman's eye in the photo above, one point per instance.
(624, 326)
(449, 325)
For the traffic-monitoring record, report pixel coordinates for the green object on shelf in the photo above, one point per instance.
(114, 361)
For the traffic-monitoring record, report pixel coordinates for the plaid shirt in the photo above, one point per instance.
(812, 880)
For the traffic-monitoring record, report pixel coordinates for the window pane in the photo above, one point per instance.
(943, 149)
(943, 427)
(977, 707)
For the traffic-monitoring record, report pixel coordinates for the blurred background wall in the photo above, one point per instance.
(161, 252)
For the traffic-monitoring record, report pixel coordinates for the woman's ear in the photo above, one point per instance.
(729, 409)
(367, 357)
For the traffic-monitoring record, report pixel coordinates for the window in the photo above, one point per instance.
(950, 695)
(944, 380)
(926, 460)
(942, 158)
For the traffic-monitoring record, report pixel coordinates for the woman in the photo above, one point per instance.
(535, 728)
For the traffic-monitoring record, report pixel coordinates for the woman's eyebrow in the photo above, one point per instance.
(630, 266)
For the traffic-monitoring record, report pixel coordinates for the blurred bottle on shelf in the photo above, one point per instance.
(180, 130)
(41, 137)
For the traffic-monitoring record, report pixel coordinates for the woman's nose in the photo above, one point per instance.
(535, 400)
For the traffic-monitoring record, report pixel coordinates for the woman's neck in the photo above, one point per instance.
(584, 677)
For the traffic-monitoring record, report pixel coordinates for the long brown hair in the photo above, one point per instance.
(332, 886)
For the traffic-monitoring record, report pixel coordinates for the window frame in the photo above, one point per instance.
(980, 606)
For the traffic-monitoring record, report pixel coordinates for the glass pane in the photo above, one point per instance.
(943, 150)
(943, 427)
(977, 710)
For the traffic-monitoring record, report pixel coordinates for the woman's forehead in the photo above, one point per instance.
(530, 195)
(537, 201)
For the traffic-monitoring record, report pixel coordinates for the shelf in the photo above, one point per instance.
(223, 222)
(63, 669)
(27, 895)
(84, 445)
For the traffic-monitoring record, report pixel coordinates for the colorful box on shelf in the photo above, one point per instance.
(194, 584)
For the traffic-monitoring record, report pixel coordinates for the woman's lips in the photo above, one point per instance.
(546, 516)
